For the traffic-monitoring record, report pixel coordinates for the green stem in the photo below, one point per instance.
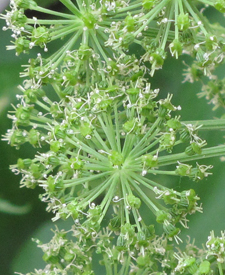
(109, 132)
(98, 46)
(74, 182)
(146, 149)
(70, 6)
(107, 265)
(160, 172)
(96, 192)
(168, 24)
(128, 144)
(40, 9)
(146, 182)
(58, 33)
(145, 138)
(196, 18)
(117, 128)
(79, 144)
(151, 15)
(130, 7)
(145, 198)
(124, 187)
(49, 22)
(109, 196)
(216, 151)
(220, 268)
(213, 124)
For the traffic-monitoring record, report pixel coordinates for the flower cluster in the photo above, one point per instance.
(64, 256)
(107, 28)
(102, 134)
(108, 143)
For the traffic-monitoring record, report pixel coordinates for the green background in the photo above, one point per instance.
(17, 251)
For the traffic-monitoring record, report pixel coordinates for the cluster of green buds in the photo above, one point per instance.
(102, 134)
(107, 28)
(108, 145)
(215, 246)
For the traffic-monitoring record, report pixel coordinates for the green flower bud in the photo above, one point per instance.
(167, 105)
(130, 125)
(191, 265)
(73, 208)
(194, 148)
(188, 200)
(128, 229)
(121, 243)
(30, 96)
(148, 4)
(185, 135)
(116, 158)
(26, 4)
(104, 104)
(33, 137)
(70, 77)
(52, 160)
(141, 238)
(170, 229)
(133, 94)
(204, 267)
(23, 163)
(50, 258)
(130, 23)
(55, 145)
(59, 132)
(115, 224)
(85, 129)
(76, 163)
(18, 137)
(19, 17)
(89, 20)
(157, 60)
(143, 261)
(95, 213)
(128, 39)
(68, 257)
(183, 22)
(183, 169)
(150, 161)
(23, 115)
(173, 123)
(161, 216)
(84, 52)
(149, 232)
(51, 183)
(168, 140)
(170, 197)
(112, 68)
(40, 36)
(22, 45)
(36, 170)
(133, 201)
(176, 48)
(56, 110)
(211, 40)
(220, 5)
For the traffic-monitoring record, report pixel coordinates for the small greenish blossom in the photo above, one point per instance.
(103, 137)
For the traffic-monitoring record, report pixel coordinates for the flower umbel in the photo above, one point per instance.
(105, 139)
(104, 148)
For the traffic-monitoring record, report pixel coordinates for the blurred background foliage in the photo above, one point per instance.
(17, 251)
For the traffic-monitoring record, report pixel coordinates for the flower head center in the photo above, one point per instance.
(116, 158)
(89, 20)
